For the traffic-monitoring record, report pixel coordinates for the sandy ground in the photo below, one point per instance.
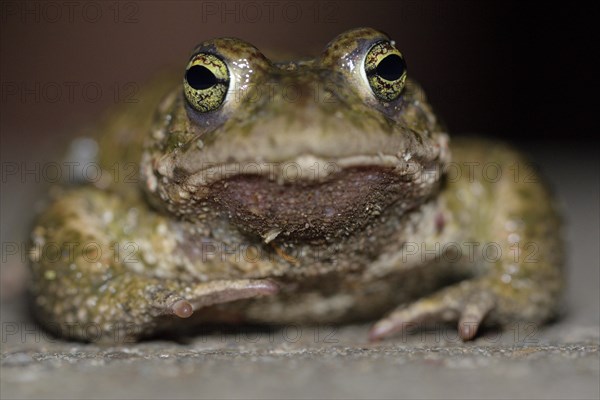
(557, 361)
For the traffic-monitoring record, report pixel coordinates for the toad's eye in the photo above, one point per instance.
(206, 82)
(385, 70)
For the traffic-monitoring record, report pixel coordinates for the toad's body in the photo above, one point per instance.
(319, 191)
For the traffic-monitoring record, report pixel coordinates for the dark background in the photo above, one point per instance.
(496, 68)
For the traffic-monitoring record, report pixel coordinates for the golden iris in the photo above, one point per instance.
(206, 82)
(386, 71)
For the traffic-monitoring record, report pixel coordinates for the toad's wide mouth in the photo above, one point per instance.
(344, 201)
(304, 168)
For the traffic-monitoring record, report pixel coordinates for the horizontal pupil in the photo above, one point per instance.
(390, 68)
(200, 78)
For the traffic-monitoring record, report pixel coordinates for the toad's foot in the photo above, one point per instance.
(467, 303)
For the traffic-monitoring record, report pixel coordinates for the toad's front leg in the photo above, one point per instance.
(87, 287)
(473, 302)
(514, 214)
(129, 307)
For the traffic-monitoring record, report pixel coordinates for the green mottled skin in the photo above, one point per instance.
(238, 248)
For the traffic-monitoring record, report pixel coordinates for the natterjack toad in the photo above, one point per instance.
(314, 191)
